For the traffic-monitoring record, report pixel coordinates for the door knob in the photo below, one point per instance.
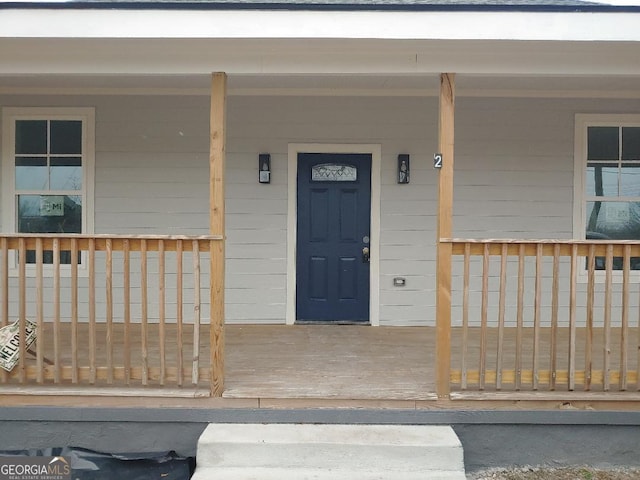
(365, 255)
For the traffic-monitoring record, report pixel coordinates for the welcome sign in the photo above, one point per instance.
(10, 343)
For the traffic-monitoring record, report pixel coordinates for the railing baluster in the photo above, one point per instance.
(196, 311)
(572, 317)
(520, 316)
(501, 309)
(32, 279)
(638, 347)
(145, 316)
(624, 333)
(607, 319)
(465, 318)
(74, 310)
(536, 315)
(92, 311)
(162, 311)
(546, 372)
(4, 282)
(109, 285)
(179, 249)
(483, 314)
(57, 353)
(126, 261)
(40, 312)
(554, 317)
(588, 349)
(4, 251)
(216, 322)
(49, 279)
(22, 309)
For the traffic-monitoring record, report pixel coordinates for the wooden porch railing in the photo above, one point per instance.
(545, 315)
(109, 310)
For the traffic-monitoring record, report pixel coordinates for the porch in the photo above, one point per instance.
(136, 315)
(523, 327)
(324, 364)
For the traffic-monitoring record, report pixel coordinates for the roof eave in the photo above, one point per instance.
(318, 6)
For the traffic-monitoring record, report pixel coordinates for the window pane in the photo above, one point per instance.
(602, 143)
(49, 214)
(31, 136)
(631, 143)
(613, 220)
(333, 172)
(66, 173)
(66, 136)
(630, 180)
(602, 180)
(31, 173)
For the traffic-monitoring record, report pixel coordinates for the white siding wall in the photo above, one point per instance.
(513, 178)
(257, 213)
(151, 176)
(514, 168)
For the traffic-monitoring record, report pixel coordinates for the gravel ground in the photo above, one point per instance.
(545, 473)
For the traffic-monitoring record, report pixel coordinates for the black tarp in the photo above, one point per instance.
(91, 465)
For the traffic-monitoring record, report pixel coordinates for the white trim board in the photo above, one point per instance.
(321, 92)
(375, 150)
(243, 24)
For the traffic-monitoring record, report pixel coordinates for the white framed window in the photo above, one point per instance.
(48, 172)
(607, 180)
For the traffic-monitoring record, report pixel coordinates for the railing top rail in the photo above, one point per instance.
(105, 242)
(546, 248)
(104, 236)
(538, 241)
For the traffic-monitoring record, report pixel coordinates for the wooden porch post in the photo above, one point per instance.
(445, 210)
(216, 227)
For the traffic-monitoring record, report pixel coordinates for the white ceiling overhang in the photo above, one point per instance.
(313, 56)
(274, 52)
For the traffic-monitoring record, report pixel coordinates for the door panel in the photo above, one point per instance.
(318, 278)
(319, 215)
(349, 216)
(334, 209)
(348, 278)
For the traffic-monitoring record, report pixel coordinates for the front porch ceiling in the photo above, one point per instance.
(613, 86)
(333, 57)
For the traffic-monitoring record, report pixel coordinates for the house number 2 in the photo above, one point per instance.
(437, 160)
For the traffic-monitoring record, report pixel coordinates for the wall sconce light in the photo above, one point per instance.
(264, 168)
(403, 168)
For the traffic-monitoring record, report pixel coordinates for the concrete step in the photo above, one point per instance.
(336, 452)
(213, 473)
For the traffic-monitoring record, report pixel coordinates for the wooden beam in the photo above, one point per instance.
(216, 226)
(445, 210)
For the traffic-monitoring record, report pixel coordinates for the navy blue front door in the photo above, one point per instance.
(334, 209)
